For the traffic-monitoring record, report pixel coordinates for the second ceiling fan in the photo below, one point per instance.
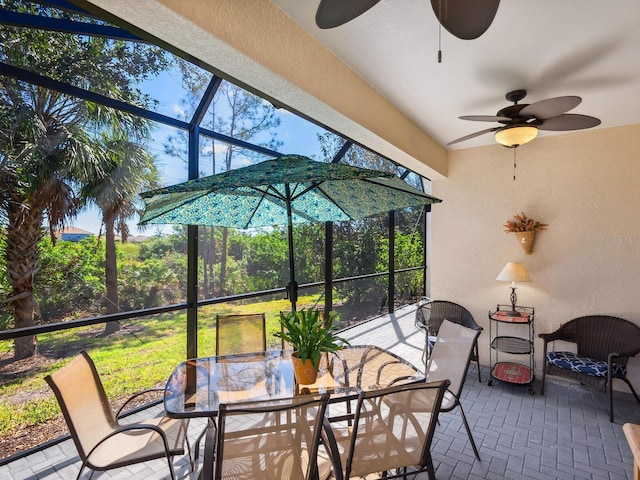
(520, 122)
(465, 19)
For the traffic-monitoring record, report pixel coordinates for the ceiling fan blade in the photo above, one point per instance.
(551, 107)
(473, 135)
(569, 121)
(465, 19)
(485, 118)
(333, 13)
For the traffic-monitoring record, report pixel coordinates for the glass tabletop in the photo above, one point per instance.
(198, 386)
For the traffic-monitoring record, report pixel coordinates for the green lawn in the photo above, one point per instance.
(142, 355)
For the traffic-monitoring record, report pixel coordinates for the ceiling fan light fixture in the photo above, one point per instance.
(513, 137)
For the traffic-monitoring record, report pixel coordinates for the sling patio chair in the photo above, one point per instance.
(240, 333)
(430, 315)
(235, 334)
(391, 431)
(450, 359)
(102, 441)
(271, 440)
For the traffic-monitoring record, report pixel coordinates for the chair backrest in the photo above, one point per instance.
(621, 336)
(270, 440)
(239, 333)
(364, 366)
(431, 314)
(83, 402)
(393, 427)
(451, 355)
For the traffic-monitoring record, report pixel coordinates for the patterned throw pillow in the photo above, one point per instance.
(576, 363)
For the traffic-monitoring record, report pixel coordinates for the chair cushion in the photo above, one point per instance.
(588, 366)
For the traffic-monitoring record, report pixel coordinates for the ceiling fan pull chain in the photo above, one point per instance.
(514, 163)
(439, 44)
(439, 31)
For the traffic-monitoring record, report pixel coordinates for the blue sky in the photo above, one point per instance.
(297, 135)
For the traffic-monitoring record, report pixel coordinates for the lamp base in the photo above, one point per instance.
(514, 301)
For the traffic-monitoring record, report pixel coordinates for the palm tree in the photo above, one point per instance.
(38, 159)
(44, 148)
(127, 169)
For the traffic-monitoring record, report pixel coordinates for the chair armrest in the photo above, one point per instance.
(416, 375)
(550, 337)
(133, 426)
(613, 355)
(134, 396)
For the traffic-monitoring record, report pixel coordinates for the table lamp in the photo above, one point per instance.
(513, 272)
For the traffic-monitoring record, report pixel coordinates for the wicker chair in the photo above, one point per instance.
(430, 315)
(604, 344)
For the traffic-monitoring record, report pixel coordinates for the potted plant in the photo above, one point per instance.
(309, 336)
(525, 229)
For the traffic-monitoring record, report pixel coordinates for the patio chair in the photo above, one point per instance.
(104, 443)
(430, 315)
(270, 440)
(450, 359)
(237, 333)
(240, 333)
(367, 365)
(391, 430)
(602, 346)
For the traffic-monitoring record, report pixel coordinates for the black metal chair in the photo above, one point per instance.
(429, 316)
(391, 431)
(271, 439)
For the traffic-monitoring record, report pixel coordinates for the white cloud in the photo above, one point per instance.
(179, 111)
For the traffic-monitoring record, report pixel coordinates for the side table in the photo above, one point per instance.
(511, 344)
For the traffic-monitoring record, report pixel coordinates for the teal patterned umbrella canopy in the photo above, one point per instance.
(257, 195)
(283, 191)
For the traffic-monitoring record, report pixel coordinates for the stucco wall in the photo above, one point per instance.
(585, 186)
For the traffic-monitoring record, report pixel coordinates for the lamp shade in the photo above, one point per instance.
(513, 272)
(515, 136)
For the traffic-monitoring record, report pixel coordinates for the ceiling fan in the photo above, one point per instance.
(465, 19)
(521, 122)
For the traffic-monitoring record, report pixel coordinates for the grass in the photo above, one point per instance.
(142, 355)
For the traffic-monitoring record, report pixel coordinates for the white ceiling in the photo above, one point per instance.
(551, 48)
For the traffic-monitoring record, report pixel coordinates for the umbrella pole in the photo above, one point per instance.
(292, 288)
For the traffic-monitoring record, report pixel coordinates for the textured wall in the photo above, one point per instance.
(586, 186)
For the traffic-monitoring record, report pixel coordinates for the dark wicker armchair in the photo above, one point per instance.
(430, 315)
(604, 344)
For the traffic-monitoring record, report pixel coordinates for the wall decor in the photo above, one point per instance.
(525, 229)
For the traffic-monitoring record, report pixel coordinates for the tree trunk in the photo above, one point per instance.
(23, 235)
(223, 259)
(111, 272)
(206, 247)
(25, 309)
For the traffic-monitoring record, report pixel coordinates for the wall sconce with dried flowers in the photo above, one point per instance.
(525, 230)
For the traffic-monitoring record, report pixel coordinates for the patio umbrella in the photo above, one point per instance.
(282, 191)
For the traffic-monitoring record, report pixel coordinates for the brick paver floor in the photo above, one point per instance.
(565, 434)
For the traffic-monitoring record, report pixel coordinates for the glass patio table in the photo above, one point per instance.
(198, 386)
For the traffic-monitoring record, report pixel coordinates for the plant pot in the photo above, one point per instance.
(304, 371)
(526, 240)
